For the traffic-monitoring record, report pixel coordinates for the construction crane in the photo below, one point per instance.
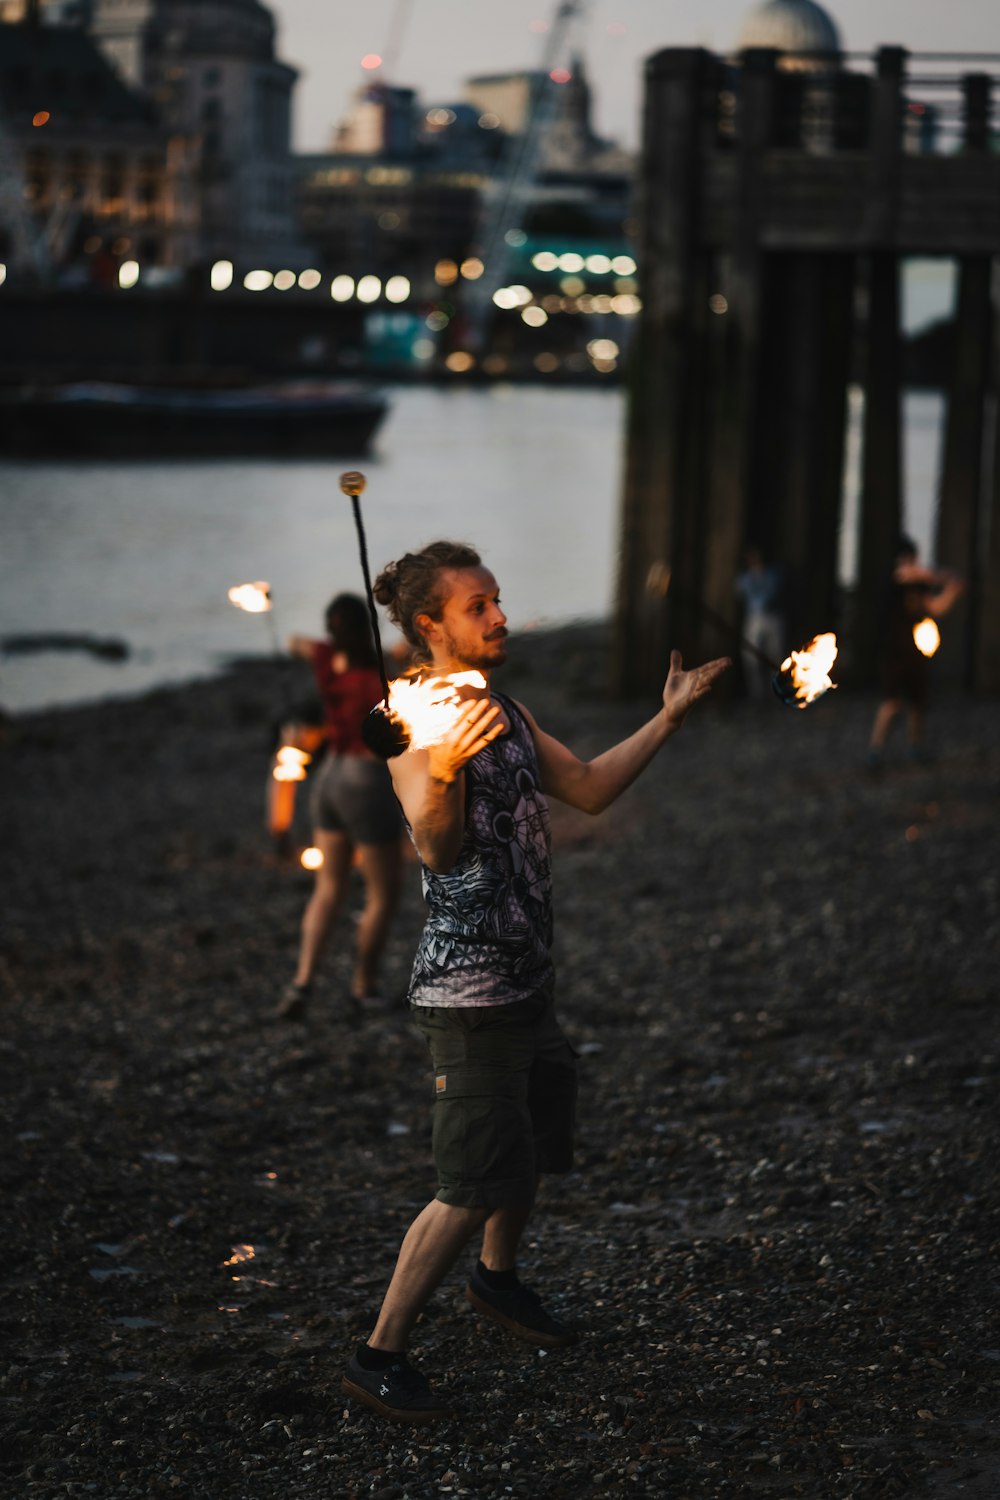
(505, 199)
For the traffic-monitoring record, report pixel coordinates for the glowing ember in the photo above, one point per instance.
(429, 706)
(290, 764)
(310, 859)
(255, 598)
(240, 1254)
(926, 636)
(807, 672)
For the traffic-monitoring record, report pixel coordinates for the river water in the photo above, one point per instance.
(145, 552)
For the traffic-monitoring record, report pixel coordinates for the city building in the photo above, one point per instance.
(89, 177)
(209, 68)
(207, 72)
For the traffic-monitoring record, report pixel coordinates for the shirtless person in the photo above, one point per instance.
(483, 983)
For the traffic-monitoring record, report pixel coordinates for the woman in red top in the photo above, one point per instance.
(353, 806)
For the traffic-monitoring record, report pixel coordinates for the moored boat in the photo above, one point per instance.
(105, 419)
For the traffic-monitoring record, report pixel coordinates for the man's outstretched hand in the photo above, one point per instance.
(682, 689)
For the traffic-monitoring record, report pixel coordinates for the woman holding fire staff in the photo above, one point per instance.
(483, 983)
(353, 807)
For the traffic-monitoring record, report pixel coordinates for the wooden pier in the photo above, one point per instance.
(776, 207)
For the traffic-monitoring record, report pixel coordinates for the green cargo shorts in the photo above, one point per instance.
(504, 1099)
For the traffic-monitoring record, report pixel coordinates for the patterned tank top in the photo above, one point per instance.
(489, 923)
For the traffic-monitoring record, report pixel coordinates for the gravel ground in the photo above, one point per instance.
(780, 1244)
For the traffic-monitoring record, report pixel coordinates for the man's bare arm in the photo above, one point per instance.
(430, 784)
(593, 785)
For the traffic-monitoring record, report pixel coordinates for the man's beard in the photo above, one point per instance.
(480, 656)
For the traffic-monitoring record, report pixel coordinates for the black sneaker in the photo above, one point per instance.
(520, 1310)
(400, 1392)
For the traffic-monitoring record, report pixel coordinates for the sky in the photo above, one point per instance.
(442, 42)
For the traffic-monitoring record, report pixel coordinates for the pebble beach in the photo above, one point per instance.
(780, 1239)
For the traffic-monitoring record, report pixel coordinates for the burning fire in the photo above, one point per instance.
(290, 764)
(808, 670)
(429, 706)
(240, 1254)
(926, 636)
(255, 598)
(311, 858)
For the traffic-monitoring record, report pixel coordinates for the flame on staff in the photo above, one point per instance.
(311, 858)
(808, 671)
(240, 1254)
(926, 636)
(428, 707)
(290, 764)
(255, 598)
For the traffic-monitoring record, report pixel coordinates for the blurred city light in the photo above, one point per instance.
(488, 120)
(397, 289)
(311, 858)
(546, 363)
(571, 262)
(285, 280)
(445, 272)
(718, 303)
(560, 75)
(602, 349)
(309, 280)
(41, 118)
(342, 288)
(516, 238)
(623, 265)
(371, 60)
(459, 362)
(472, 268)
(222, 275)
(437, 320)
(3, 273)
(535, 316)
(599, 264)
(258, 281)
(423, 348)
(545, 261)
(369, 289)
(128, 274)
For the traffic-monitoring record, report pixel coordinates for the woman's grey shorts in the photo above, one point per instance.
(504, 1099)
(354, 795)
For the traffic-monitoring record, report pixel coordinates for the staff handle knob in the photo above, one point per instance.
(353, 482)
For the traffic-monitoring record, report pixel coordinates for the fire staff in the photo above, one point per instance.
(482, 985)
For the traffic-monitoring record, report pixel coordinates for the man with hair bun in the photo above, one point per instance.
(483, 984)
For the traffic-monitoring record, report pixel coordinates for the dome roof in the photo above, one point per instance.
(790, 26)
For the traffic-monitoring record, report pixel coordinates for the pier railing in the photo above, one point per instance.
(826, 101)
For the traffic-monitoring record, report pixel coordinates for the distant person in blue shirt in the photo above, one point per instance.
(761, 588)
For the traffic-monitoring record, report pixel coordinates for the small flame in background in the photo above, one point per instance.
(926, 636)
(809, 669)
(311, 858)
(255, 598)
(429, 707)
(240, 1254)
(290, 764)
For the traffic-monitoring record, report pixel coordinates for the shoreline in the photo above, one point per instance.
(779, 1236)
